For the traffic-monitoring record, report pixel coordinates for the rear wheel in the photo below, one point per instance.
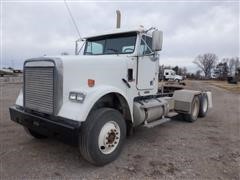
(194, 110)
(35, 134)
(102, 135)
(203, 109)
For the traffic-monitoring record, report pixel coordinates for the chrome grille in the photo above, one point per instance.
(39, 89)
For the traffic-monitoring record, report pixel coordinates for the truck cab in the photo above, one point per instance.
(170, 74)
(100, 95)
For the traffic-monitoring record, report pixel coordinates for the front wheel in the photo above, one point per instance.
(102, 136)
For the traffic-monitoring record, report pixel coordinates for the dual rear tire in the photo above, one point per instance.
(203, 109)
(199, 108)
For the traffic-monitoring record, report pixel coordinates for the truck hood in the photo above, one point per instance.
(107, 70)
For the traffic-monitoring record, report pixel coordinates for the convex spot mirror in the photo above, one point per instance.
(157, 40)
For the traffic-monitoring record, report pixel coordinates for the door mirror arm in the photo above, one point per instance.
(155, 56)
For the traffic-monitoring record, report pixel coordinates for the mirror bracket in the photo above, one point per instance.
(155, 56)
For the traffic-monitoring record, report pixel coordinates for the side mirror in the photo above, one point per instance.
(157, 39)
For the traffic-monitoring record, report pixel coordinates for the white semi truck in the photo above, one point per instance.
(170, 74)
(101, 95)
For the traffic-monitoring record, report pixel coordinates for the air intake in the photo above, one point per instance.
(41, 86)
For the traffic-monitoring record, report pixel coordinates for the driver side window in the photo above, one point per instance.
(146, 47)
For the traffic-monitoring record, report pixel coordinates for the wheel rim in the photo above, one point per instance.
(109, 137)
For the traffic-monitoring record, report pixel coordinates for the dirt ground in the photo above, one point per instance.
(206, 149)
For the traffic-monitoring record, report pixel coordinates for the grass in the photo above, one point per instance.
(225, 85)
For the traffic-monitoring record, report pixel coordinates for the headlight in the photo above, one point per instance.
(77, 96)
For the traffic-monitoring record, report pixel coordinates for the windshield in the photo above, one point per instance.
(111, 44)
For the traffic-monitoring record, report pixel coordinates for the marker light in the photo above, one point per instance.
(91, 82)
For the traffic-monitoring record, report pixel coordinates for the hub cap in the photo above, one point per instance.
(109, 137)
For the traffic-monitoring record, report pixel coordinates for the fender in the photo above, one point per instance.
(79, 111)
(19, 100)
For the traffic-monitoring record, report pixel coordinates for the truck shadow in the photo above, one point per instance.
(179, 118)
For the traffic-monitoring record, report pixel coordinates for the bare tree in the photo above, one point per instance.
(233, 63)
(223, 70)
(198, 74)
(236, 64)
(184, 71)
(176, 69)
(206, 63)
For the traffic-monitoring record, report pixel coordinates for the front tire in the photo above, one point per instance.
(102, 136)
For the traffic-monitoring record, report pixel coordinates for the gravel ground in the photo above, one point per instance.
(206, 149)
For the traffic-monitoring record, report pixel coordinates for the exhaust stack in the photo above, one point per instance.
(118, 19)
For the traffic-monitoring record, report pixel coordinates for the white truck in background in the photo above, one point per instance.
(101, 95)
(170, 74)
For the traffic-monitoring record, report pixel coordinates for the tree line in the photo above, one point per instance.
(212, 67)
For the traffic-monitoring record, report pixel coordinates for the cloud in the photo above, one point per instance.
(190, 28)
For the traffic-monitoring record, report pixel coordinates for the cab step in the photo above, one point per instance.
(172, 114)
(156, 123)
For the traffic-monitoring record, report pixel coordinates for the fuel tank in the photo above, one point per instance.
(149, 110)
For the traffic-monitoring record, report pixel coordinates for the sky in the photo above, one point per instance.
(36, 28)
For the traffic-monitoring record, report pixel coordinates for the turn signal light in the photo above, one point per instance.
(91, 82)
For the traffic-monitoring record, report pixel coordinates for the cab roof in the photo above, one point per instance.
(117, 31)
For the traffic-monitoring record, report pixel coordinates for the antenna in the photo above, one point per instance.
(74, 23)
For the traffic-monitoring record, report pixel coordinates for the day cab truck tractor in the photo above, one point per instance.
(170, 74)
(101, 95)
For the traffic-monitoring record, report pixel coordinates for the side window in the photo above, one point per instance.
(145, 48)
(95, 47)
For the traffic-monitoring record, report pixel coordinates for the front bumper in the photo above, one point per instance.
(44, 125)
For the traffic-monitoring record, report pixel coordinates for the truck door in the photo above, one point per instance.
(147, 67)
